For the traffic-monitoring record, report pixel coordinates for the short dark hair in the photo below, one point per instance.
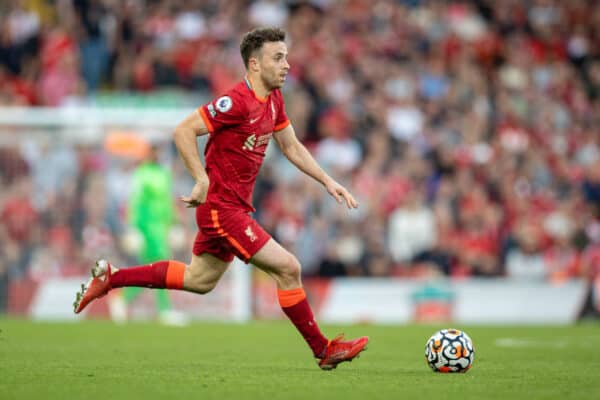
(254, 40)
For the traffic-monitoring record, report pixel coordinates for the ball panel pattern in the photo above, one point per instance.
(449, 350)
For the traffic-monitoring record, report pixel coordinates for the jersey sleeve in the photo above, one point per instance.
(282, 120)
(227, 110)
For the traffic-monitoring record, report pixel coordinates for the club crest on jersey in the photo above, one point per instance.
(250, 233)
(224, 103)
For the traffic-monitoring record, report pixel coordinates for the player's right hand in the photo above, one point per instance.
(198, 195)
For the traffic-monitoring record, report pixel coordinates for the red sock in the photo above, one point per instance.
(161, 274)
(294, 304)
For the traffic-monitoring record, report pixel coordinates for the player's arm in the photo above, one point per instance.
(185, 140)
(301, 158)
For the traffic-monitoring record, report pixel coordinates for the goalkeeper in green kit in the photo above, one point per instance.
(151, 212)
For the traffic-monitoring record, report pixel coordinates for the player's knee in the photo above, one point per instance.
(291, 269)
(199, 281)
(205, 288)
(200, 286)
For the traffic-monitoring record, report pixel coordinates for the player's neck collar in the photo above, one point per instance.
(249, 85)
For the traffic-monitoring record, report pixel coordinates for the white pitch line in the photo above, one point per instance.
(559, 343)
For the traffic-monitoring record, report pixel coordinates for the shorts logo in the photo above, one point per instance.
(211, 110)
(250, 233)
(224, 103)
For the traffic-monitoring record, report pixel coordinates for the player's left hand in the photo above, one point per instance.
(198, 195)
(341, 194)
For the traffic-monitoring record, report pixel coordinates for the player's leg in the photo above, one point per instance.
(201, 275)
(209, 261)
(285, 269)
(155, 247)
(245, 238)
(280, 264)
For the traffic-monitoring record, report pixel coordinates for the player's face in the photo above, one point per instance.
(273, 64)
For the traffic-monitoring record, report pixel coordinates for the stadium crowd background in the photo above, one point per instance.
(468, 130)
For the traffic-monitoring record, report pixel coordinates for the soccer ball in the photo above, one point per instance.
(449, 350)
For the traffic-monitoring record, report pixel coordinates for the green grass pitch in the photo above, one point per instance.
(269, 360)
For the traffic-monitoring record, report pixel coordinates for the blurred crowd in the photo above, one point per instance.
(468, 130)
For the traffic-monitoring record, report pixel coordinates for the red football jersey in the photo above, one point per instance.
(241, 125)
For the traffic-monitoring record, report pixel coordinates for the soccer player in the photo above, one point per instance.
(241, 124)
(151, 212)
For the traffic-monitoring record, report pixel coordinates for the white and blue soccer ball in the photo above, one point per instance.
(449, 350)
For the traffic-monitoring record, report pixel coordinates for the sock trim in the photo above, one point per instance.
(291, 297)
(175, 272)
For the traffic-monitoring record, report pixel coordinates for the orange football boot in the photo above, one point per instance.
(98, 286)
(339, 350)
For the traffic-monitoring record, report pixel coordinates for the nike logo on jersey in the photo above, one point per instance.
(253, 120)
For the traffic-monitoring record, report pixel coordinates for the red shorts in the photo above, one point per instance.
(226, 232)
